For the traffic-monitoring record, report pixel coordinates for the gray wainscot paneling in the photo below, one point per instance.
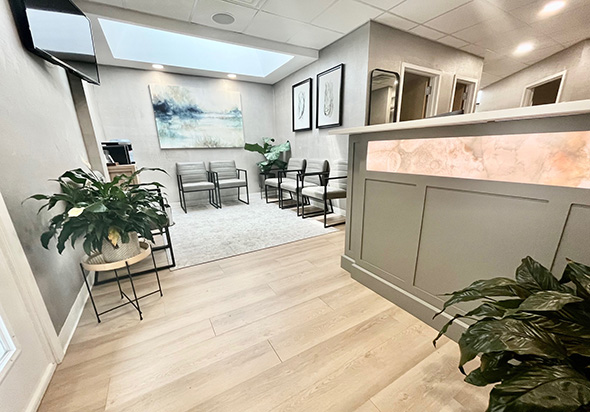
(413, 238)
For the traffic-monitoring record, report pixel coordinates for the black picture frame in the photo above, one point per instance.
(327, 115)
(300, 114)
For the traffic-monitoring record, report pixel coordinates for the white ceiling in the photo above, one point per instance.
(488, 28)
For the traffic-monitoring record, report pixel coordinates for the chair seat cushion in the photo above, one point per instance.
(227, 183)
(317, 192)
(273, 181)
(195, 187)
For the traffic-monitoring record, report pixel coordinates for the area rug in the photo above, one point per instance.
(205, 233)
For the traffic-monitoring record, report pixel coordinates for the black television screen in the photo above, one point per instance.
(58, 31)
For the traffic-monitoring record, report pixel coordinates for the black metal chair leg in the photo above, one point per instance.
(325, 213)
(247, 195)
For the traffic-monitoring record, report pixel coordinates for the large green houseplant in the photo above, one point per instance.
(533, 338)
(108, 215)
(271, 152)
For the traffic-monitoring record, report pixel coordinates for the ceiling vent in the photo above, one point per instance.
(223, 18)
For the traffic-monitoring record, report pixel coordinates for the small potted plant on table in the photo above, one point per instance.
(110, 216)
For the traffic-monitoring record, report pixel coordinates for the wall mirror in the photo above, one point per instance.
(383, 97)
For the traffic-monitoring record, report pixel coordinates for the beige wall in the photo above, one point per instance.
(41, 139)
(507, 93)
(352, 50)
(122, 106)
(389, 48)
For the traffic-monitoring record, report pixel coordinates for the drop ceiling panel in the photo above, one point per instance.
(314, 37)
(504, 67)
(174, 9)
(427, 33)
(383, 4)
(256, 4)
(278, 28)
(303, 10)
(423, 10)
(207, 8)
(511, 4)
(396, 22)
(453, 42)
(346, 15)
(116, 3)
(465, 16)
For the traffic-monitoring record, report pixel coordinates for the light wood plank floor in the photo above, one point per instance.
(282, 329)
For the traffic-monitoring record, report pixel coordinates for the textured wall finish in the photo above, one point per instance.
(557, 159)
(41, 139)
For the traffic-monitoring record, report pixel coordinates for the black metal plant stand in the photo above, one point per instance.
(97, 264)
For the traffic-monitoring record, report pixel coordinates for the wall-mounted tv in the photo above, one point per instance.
(59, 32)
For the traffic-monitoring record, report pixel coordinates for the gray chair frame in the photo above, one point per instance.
(215, 176)
(214, 199)
(281, 174)
(324, 177)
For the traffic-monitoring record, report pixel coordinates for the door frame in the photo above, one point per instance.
(27, 285)
(435, 78)
(472, 96)
(527, 94)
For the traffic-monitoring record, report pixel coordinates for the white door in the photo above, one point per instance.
(26, 360)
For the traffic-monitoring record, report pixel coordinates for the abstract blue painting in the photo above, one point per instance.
(194, 118)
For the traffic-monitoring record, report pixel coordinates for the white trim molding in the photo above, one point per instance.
(69, 327)
(527, 94)
(471, 94)
(435, 80)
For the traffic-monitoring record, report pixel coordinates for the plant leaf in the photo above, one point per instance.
(494, 368)
(254, 147)
(541, 388)
(535, 277)
(511, 335)
(579, 274)
(548, 300)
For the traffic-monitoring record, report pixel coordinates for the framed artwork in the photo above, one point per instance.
(330, 90)
(194, 118)
(302, 106)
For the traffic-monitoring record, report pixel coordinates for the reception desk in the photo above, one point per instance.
(435, 204)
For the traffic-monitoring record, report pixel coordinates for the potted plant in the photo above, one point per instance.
(272, 153)
(533, 338)
(108, 215)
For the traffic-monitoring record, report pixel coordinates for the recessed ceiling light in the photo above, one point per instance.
(552, 7)
(232, 76)
(524, 48)
(157, 66)
(223, 18)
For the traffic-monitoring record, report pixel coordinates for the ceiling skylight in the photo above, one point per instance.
(143, 44)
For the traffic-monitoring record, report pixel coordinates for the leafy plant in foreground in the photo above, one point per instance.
(533, 338)
(98, 210)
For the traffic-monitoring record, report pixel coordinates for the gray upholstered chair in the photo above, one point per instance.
(194, 177)
(227, 176)
(312, 176)
(334, 187)
(290, 174)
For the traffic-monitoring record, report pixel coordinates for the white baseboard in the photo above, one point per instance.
(39, 392)
(71, 323)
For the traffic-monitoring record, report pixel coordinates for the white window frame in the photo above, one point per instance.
(435, 75)
(527, 95)
(471, 97)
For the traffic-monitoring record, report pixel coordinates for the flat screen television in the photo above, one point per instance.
(59, 32)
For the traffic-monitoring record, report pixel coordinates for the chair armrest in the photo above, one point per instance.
(242, 170)
(322, 176)
(337, 177)
(282, 173)
(213, 177)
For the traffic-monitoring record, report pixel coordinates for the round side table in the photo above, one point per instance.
(96, 263)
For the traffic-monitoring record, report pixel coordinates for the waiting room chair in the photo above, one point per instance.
(312, 176)
(290, 174)
(194, 177)
(227, 176)
(333, 187)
